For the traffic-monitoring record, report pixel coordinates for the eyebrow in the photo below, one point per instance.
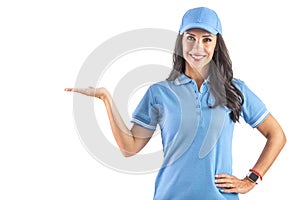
(206, 35)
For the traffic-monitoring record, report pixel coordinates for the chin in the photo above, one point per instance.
(197, 65)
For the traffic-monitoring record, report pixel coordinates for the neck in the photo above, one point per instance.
(198, 75)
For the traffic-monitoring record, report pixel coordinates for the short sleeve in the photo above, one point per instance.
(254, 110)
(146, 113)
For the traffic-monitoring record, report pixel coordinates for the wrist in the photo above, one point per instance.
(249, 182)
(257, 173)
(254, 176)
(102, 93)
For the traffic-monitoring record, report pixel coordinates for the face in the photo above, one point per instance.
(198, 48)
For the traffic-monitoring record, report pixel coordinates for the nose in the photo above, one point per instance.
(198, 45)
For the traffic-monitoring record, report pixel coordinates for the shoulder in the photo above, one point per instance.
(238, 82)
(163, 90)
(161, 85)
(241, 85)
(157, 89)
(248, 93)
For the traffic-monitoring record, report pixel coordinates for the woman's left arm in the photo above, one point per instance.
(276, 139)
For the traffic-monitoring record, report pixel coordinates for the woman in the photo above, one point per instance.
(196, 108)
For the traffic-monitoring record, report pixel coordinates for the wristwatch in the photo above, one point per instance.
(253, 177)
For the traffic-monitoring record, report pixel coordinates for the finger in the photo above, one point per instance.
(232, 190)
(78, 90)
(222, 176)
(225, 185)
(224, 181)
(74, 90)
(69, 89)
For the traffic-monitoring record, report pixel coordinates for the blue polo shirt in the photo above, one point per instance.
(196, 139)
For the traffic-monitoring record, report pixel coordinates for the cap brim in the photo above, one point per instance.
(198, 25)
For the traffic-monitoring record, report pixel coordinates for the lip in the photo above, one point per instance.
(197, 57)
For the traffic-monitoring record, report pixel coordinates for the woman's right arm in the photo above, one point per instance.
(130, 141)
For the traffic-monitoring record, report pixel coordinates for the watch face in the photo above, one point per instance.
(254, 177)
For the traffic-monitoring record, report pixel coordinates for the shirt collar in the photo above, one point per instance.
(183, 79)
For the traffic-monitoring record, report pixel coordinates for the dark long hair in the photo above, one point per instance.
(220, 75)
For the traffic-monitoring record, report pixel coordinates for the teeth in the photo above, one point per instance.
(197, 57)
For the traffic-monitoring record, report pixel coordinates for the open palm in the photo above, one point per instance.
(89, 91)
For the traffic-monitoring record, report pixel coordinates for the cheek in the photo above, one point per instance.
(210, 50)
(186, 48)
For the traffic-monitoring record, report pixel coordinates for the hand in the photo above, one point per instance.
(90, 91)
(233, 184)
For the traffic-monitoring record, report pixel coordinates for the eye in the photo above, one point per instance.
(207, 40)
(190, 38)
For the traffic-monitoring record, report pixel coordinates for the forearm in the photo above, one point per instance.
(129, 141)
(270, 152)
(121, 133)
(275, 142)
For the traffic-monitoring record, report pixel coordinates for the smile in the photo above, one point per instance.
(197, 57)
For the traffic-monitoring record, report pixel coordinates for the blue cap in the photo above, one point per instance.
(203, 18)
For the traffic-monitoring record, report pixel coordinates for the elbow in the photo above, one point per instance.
(279, 139)
(128, 154)
(283, 139)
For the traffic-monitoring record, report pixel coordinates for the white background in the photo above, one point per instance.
(42, 47)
